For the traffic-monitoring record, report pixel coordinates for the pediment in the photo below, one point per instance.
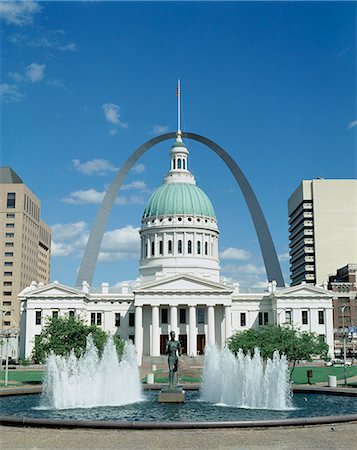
(52, 290)
(303, 290)
(182, 282)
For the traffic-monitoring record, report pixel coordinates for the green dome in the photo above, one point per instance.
(179, 198)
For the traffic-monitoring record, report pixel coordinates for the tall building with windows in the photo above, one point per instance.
(25, 244)
(322, 229)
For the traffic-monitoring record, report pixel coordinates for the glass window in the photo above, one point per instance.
(38, 318)
(200, 315)
(183, 164)
(6, 303)
(96, 318)
(160, 247)
(10, 225)
(152, 248)
(7, 274)
(132, 338)
(7, 283)
(164, 315)
(9, 244)
(189, 247)
(182, 315)
(304, 318)
(260, 318)
(54, 314)
(7, 293)
(179, 163)
(117, 319)
(8, 254)
(243, 319)
(9, 235)
(8, 264)
(71, 313)
(266, 318)
(198, 247)
(10, 216)
(131, 319)
(321, 317)
(288, 316)
(146, 250)
(206, 248)
(179, 246)
(169, 246)
(11, 199)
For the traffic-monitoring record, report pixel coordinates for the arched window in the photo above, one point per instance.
(160, 247)
(183, 164)
(179, 247)
(206, 248)
(146, 250)
(169, 246)
(153, 248)
(189, 247)
(174, 164)
(179, 163)
(198, 247)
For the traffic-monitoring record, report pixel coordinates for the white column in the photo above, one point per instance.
(173, 320)
(211, 325)
(329, 331)
(139, 332)
(155, 338)
(228, 320)
(192, 331)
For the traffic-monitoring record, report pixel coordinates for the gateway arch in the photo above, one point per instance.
(89, 260)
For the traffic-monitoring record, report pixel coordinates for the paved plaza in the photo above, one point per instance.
(322, 437)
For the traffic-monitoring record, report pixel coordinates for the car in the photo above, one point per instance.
(337, 362)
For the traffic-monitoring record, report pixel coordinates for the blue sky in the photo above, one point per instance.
(83, 84)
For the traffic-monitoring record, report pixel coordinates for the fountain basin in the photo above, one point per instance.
(309, 408)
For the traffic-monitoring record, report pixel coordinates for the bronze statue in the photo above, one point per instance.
(173, 351)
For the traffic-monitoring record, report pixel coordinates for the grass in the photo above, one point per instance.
(320, 374)
(20, 377)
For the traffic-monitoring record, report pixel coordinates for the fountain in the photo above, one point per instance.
(91, 381)
(241, 390)
(246, 381)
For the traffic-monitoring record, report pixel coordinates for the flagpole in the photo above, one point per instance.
(178, 106)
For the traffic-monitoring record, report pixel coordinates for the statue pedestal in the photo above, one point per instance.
(172, 395)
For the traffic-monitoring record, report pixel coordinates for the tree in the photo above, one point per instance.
(63, 334)
(296, 345)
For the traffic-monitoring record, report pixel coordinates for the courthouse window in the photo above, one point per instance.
(182, 315)
(38, 318)
(117, 319)
(321, 317)
(131, 319)
(304, 318)
(200, 315)
(164, 315)
(243, 319)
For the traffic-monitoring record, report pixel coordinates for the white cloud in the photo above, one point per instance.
(19, 12)
(248, 275)
(284, 256)
(159, 129)
(84, 197)
(139, 185)
(112, 114)
(91, 196)
(139, 168)
(234, 253)
(49, 39)
(94, 167)
(70, 239)
(10, 93)
(113, 132)
(35, 72)
(352, 124)
(69, 230)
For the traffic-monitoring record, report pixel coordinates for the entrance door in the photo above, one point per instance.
(201, 342)
(163, 339)
(183, 342)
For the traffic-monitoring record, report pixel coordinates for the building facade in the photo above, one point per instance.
(322, 229)
(344, 287)
(25, 246)
(180, 288)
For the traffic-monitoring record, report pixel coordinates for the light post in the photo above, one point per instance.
(7, 334)
(344, 344)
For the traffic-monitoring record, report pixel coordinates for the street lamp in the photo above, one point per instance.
(344, 344)
(7, 334)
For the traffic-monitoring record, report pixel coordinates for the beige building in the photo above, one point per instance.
(25, 245)
(322, 229)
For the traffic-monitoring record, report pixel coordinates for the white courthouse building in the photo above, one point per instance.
(180, 288)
